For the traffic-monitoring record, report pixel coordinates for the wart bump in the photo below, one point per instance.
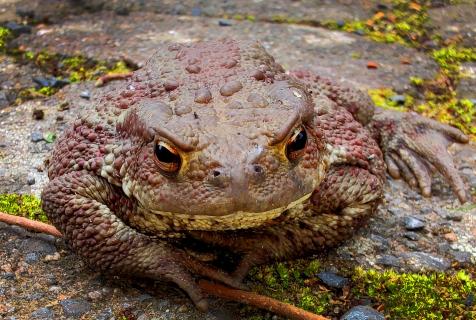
(230, 88)
(203, 95)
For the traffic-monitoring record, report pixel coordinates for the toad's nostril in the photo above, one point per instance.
(216, 173)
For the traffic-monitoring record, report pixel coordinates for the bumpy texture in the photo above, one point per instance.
(212, 147)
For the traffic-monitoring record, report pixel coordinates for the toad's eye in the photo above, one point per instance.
(168, 158)
(296, 144)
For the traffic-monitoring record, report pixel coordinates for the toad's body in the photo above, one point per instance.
(213, 143)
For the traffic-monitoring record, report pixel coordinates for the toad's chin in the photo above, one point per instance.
(156, 220)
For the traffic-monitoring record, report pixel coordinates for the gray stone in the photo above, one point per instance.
(389, 261)
(362, 313)
(411, 236)
(461, 257)
(422, 261)
(75, 307)
(43, 314)
(333, 280)
(35, 245)
(413, 224)
(2, 291)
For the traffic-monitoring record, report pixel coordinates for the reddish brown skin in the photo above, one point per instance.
(229, 110)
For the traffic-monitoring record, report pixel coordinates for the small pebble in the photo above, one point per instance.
(333, 280)
(413, 224)
(17, 28)
(469, 302)
(36, 136)
(224, 23)
(75, 307)
(411, 236)
(398, 99)
(362, 313)
(85, 94)
(389, 261)
(43, 314)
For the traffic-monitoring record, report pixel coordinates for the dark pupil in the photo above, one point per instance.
(164, 154)
(299, 142)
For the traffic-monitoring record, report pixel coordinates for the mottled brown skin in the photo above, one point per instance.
(231, 115)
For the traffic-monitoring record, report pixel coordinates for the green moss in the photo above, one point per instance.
(417, 81)
(417, 296)
(293, 282)
(5, 36)
(382, 98)
(22, 205)
(405, 23)
(450, 58)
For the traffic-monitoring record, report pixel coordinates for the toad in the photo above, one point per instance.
(212, 145)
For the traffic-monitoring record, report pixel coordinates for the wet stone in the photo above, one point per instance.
(333, 280)
(362, 313)
(75, 307)
(413, 224)
(43, 314)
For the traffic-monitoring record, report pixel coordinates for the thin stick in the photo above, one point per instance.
(30, 224)
(262, 302)
(250, 298)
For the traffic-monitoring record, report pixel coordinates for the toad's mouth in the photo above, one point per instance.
(171, 221)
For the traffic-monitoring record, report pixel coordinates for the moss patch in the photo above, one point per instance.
(405, 22)
(5, 36)
(418, 296)
(27, 206)
(398, 295)
(388, 99)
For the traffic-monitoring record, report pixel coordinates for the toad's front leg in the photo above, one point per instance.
(83, 207)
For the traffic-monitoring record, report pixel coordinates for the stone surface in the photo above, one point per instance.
(333, 280)
(413, 224)
(362, 313)
(75, 307)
